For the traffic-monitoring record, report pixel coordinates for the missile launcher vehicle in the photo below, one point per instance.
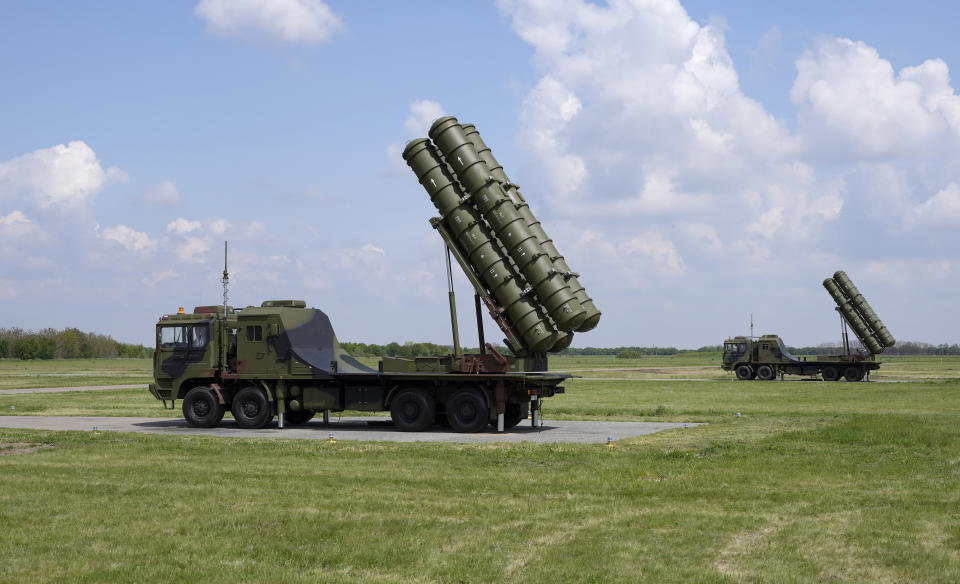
(282, 359)
(766, 357)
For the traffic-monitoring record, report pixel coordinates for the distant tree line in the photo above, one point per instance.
(901, 348)
(411, 349)
(69, 343)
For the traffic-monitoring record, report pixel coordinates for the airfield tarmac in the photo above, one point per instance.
(354, 428)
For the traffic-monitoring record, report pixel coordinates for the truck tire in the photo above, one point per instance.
(412, 410)
(251, 408)
(467, 411)
(853, 373)
(830, 373)
(202, 408)
(766, 372)
(744, 372)
(297, 417)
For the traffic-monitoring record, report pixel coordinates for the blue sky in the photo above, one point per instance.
(695, 162)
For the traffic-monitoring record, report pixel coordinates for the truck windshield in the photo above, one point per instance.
(173, 337)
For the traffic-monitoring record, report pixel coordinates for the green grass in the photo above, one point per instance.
(815, 482)
(16, 373)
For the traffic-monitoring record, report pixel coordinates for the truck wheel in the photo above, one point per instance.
(251, 408)
(297, 417)
(744, 372)
(766, 372)
(512, 415)
(412, 410)
(830, 373)
(202, 408)
(467, 411)
(853, 373)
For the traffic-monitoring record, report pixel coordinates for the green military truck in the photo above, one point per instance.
(766, 357)
(282, 359)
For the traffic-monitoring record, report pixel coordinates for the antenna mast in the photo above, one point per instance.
(751, 322)
(225, 280)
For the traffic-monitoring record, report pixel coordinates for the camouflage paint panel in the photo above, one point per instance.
(307, 334)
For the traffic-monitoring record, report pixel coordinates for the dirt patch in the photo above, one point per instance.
(21, 448)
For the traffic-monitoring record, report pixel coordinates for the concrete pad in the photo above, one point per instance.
(370, 429)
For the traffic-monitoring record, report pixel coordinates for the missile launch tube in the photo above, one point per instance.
(479, 246)
(859, 327)
(860, 304)
(551, 289)
(523, 209)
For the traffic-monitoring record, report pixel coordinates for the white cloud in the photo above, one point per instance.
(130, 240)
(151, 280)
(60, 177)
(281, 21)
(703, 236)
(218, 226)
(852, 104)
(634, 258)
(942, 209)
(422, 113)
(165, 194)
(193, 249)
(637, 93)
(652, 251)
(181, 226)
(15, 224)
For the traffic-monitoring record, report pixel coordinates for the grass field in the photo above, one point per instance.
(815, 482)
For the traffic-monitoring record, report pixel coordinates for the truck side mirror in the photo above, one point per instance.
(273, 330)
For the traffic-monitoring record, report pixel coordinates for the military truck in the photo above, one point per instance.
(282, 359)
(766, 357)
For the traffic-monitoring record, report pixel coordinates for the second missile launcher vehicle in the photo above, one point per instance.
(766, 357)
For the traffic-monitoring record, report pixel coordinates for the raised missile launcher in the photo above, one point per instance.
(766, 357)
(514, 267)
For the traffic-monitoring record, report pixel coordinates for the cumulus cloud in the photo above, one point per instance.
(279, 21)
(422, 113)
(941, 209)
(130, 239)
(639, 113)
(15, 224)
(65, 176)
(165, 194)
(852, 103)
(181, 226)
(634, 258)
(193, 249)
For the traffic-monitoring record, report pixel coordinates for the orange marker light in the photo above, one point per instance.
(180, 311)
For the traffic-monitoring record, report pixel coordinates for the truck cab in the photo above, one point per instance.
(186, 348)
